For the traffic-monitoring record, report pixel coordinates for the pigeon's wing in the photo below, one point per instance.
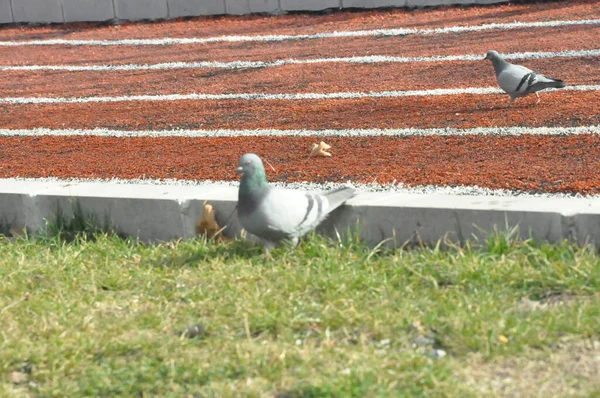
(542, 82)
(291, 214)
(279, 214)
(514, 79)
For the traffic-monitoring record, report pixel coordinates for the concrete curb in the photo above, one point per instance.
(46, 11)
(165, 212)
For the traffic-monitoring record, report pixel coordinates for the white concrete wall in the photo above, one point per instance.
(373, 3)
(88, 10)
(154, 212)
(5, 12)
(37, 10)
(183, 8)
(240, 7)
(43, 11)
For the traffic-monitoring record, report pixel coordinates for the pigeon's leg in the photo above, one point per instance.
(538, 98)
(512, 99)
(268, 245)
(291, 242)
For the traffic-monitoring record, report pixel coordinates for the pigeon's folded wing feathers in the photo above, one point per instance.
(541, 82)
(518, 80)
(293, 213)
(338, 197)
(513, 79)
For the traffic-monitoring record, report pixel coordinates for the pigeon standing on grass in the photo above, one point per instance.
(276, 214)
(519, 81)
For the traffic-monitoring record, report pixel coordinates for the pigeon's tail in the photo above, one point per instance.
(337, 197)
(547, 83)
(559, 84)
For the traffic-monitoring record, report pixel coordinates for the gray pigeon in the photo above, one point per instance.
(277, 214)
(519, 81)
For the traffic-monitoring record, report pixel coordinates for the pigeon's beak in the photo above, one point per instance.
(486, 57)
(239, 170)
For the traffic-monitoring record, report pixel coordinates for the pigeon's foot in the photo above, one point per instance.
(268, 245)
(538, 98)
(266, 255)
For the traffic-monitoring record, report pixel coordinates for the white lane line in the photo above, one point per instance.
(324, 35)
(371, 59)
(409, 132)
(463, 190)
(277, 97)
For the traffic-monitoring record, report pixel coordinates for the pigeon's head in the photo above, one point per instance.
(493, 55)
(249, 164)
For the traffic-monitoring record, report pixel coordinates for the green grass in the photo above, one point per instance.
(99, 316)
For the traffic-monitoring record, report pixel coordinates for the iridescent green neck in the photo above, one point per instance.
(254, 182)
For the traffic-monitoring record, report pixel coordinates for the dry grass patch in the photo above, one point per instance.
(570, 369)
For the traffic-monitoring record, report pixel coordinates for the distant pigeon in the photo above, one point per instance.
(519, 81)
(276, 214)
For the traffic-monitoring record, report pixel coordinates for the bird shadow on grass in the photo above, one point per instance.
(201, 251)
(204, 251)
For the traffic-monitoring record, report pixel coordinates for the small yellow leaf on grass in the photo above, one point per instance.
(416, 325)
(18, 377)
(503, 339)
(328, 343)
(320, 150)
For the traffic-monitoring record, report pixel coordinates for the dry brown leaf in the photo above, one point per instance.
(207, 225)
(324, 146)
(320, 150)
(18, 232)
